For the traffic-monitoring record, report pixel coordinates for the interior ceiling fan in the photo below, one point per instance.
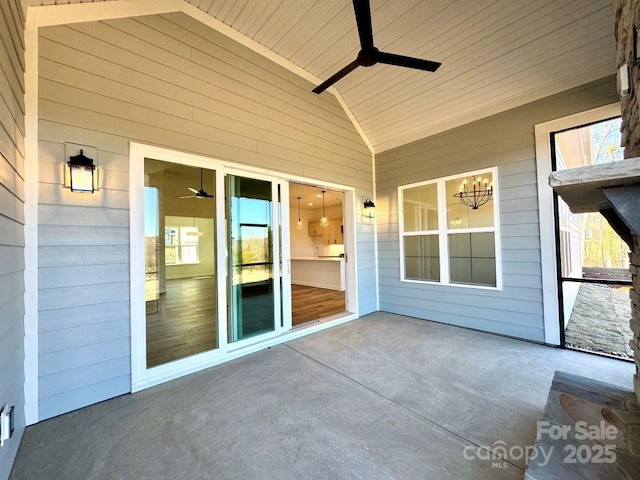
(370, 55)
(198, 193)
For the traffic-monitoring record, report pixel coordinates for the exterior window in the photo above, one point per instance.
(445, 241)
(181, 245)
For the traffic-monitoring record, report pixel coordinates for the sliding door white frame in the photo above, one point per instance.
(143, 377)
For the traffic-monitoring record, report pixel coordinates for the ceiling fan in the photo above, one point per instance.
(198, 193)
(370, 55)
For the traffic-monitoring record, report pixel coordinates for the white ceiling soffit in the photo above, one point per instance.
(495, 54)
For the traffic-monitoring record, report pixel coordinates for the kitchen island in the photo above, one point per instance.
(320, 272)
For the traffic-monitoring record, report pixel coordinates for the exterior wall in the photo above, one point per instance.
(628, 15)
(507, 141)
(12, 21)
(169, 81)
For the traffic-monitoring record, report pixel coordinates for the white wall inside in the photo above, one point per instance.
(301, 243)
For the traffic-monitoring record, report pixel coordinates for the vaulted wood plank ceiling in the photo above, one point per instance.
(495, 54)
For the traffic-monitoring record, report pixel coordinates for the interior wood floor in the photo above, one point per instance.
(311, 303)
(183, 321)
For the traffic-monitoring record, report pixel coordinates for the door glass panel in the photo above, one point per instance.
(180, 263)
(251, 268)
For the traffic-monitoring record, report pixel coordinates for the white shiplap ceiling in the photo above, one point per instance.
(495, 54)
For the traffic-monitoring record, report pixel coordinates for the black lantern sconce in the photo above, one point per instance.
(368, 208)
(80, 174)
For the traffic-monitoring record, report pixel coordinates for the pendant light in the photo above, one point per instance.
(299, 225)
(323, 221)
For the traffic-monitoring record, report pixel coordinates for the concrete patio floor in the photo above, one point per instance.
(385, 396)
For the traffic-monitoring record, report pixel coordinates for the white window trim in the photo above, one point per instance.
(545, 207)
(179, 246)
(444, 231)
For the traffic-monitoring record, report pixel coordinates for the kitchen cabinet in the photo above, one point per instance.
(315, 229)
(333, 233)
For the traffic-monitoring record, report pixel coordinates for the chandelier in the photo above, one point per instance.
(480, 193)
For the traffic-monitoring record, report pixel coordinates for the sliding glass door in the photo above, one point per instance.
(253, 292)
(181, 298)
(206, 263)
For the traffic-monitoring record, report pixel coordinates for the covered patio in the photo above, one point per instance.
(384, 396)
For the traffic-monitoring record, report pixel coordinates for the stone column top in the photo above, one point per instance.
(581, 187)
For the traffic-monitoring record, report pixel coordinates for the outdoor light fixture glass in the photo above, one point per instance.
(480, 193)
(323, 221)
(81, 173)
(368, 208)
(299, 225)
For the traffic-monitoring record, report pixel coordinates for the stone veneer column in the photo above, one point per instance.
(627, 14)
(635, 312)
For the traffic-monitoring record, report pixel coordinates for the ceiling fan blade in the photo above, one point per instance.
(193, 190)
(409, 62)
(362, 10)
(188, 196)
(336, 76)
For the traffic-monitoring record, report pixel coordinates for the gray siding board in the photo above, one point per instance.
(12, 259)
(13, 308)
(72, 317)
(75, 337)
(436, 299)
(172, 82)
(522, 255)
(11, 287)
(72, 358)
(83, 275)
(82, 255)
(11, 232)
(73, 399)
(11, 206)
(11, 222)
(12, 363)
(82, 216)
(84, 375)
(513, 330)
(53, 132)
(521, 230)
(70, 235)
(516, 243)
(62, 297)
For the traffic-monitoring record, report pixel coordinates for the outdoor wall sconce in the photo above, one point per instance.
(481, 192)
(80, 174)
(368, 208)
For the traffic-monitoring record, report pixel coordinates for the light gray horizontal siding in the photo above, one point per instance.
(173, 82)
(506, 141)
(12, 221)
